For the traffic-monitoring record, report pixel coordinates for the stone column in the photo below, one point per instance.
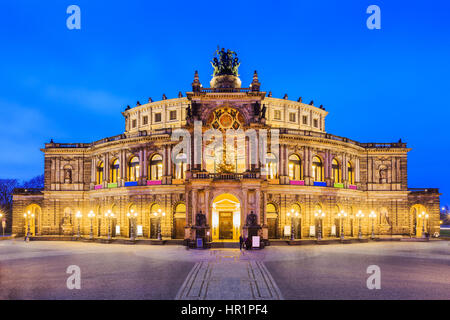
(208, 218)
(169, 160)
(93, 171)
(194, 205)
(145, 165)
(106, 168)
(258, 205)
(141, 165)
(247, 154)
(357, 173)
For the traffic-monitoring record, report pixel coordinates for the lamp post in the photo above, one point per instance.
(109, 216)
(319, 215)
(132, 216)
(159, 214)
(342, 215)
(424, 216)
(372, 216)
(293, 214)
(78, 216)
(91, 216)
(3, 227)
(359, 215)
(27, 217)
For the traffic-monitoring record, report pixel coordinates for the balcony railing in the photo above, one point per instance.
(427, 190)
(110, 139)
(168, 131)
(28, 191)
(330, 136)
(224, 90)
(225, 176)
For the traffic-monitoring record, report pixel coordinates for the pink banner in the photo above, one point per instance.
(153, 182)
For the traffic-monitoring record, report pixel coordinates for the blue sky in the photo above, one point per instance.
(378, 85)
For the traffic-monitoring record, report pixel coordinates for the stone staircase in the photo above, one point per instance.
(221, 245)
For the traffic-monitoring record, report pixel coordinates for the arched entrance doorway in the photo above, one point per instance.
(32, 216)
(420, 219)
(226, 218)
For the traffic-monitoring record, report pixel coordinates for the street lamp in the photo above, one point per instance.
(27, 217)
(132, 216)
(359, 215)
(78, 217)
(372, 216)
(424, 216)
(91, 216)
(319, 215)
(158, 215)
(109, 216)
(293, 214)
(3, 227)
(342, 215)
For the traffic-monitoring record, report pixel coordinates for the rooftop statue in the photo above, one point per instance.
(226, 63)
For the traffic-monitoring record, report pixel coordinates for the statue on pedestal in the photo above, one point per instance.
(200, 219)
(252, 220)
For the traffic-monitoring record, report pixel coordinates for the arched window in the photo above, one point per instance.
(351, 173)
(317, 169)
(271, 166)
(100, 167)
(179, 221)
(295, 168)
(180, 166)
(133, 169)
(336, 171)
(155, 167)
(272, 221)
(114, 171)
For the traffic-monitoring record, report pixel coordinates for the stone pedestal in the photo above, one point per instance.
(201, 232)
(67, 229)
(250, 231)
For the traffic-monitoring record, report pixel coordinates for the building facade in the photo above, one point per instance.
(301, 183)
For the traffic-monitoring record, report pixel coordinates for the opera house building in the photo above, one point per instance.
(221, 161)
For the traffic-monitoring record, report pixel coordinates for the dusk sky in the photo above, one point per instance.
(378, 85)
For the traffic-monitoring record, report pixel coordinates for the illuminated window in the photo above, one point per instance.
(155, 167)
(336, 171)
(133, 169)
(271, 166)
(295, 168)
(100, 172)
(180, 166)
(317, 169)
(114, 171)
(351, 174)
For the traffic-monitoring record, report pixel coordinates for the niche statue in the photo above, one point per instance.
(200, 219)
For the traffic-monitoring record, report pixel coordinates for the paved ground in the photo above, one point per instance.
(37, 270)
